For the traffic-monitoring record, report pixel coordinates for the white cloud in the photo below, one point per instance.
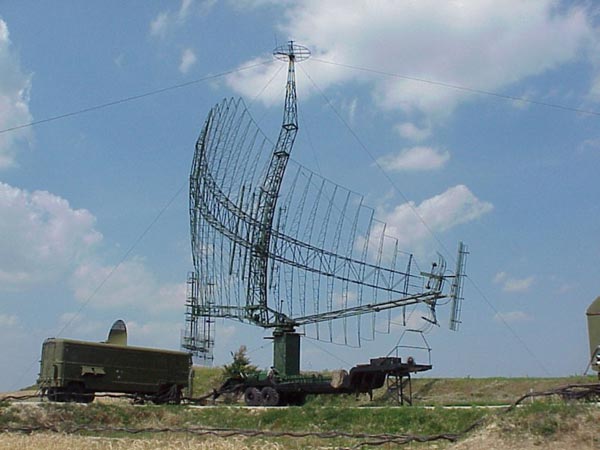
(474, 44)
(518, 285)
(158, 334)
(267, 79)
(415, 158)
(594, 92)
(184, 9)
(14, 100)
(525, 103)
(455, 206)
(340, 299)
(130, 284)
(565, 287)
(414, 320)
(8, 321)
(188, 59)
(206, 6)
(351, 110)
(500, 277)
(411, 131)
(225, 333)
(590, 146)
(168, 19)
(512, 316)
(165, 21)
(511, 284)
(119, 60)
(41, 236)
(21, 352)
(158, 27)
(43, 239)
(83, 327)
(251, 4)
(270, 79)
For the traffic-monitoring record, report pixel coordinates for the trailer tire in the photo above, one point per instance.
(56, 394)
(270, 396)
(87, 397)
(74, 392)
(252, 397)
(168, 394)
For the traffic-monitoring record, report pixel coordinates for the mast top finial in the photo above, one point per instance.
(291, 51)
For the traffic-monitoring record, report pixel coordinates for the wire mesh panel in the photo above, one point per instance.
(277, 245)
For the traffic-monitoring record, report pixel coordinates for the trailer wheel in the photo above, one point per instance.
(74, 393)
(252, 396)
(56, 395)
(168, 393)
(270, 396)
(87, 397)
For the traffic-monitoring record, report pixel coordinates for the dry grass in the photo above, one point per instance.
(493, 438)
(538, 425)
(546, 426)
(457, 391)
(52, 441)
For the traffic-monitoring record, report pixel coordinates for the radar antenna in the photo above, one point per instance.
(279, 246)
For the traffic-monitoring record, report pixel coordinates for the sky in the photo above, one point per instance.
(481, 118)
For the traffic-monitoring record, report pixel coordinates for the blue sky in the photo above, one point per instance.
(517, 181)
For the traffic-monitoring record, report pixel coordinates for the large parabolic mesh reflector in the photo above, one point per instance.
(329, 258)
(276, 245)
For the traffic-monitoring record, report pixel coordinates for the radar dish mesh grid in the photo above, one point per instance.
(327, 253)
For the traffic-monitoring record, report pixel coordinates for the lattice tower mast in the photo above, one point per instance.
(259, 310)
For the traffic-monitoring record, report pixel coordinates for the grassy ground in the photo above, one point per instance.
(307, 418)
(206, 379)
(299, 419)
(542, 424)
(550, 424)
(54, 441)
(426, 391)
(485, 391)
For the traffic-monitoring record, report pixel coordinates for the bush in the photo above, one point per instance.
(240, 366)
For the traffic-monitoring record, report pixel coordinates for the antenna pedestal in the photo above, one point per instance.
(286, 351)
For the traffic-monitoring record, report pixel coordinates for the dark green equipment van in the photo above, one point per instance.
(74, 370)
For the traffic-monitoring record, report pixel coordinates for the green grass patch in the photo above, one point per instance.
(548, 418)
(206, 379)
(426, 391)
(307, 418)
(543, 419)
(484, 391)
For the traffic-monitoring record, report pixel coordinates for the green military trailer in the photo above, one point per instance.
(73, 370)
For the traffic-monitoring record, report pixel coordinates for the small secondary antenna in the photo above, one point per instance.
(117, 334)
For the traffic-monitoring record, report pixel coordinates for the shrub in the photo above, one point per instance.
(240, 366)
